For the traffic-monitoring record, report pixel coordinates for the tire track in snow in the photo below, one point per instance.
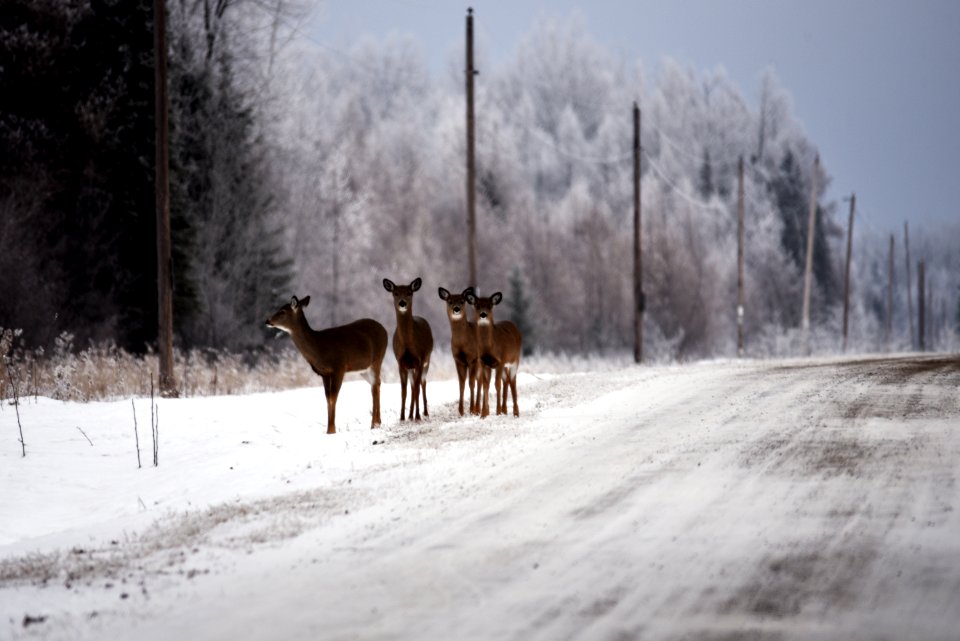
(731, 500)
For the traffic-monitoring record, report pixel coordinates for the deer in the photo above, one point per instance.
(463, 343)
(412, 345)
(498, 347)
(332, 352)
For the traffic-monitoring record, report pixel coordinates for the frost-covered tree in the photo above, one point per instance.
(230, 264)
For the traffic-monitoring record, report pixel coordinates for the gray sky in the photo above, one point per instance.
(875, 83)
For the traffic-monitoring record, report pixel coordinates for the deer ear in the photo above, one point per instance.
(444, 294)
(294, 303)
(471, 298)
(304, 301)
(468, 291)
(388, 284)
(415, 285)
(496, 298)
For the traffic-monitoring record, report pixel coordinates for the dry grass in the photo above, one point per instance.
(105, 372)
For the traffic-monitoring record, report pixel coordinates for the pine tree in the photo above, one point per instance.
(233, 259)
(956, 326)
(788, 191)
(706, 176)
(76, 139)
(520, 311)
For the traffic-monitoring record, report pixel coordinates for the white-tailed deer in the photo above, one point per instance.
(498, 347)
(463, 343)
(412, 345)
(332, 352)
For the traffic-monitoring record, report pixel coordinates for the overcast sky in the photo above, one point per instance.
(875, 83)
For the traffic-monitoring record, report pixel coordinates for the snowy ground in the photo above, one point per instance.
(724, 500)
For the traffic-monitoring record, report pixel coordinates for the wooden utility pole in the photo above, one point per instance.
(906, 242)
(471, 160)
(740, 312)
(335, 302)
(168, 386)
(921, 305)
(811, 224)
(889, 326)
(846, 272)
(638, 295)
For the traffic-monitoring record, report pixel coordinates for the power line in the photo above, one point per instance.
(693, 200)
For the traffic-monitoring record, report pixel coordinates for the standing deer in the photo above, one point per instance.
(332, 352)
(412, 345)
(498, 347)
(463, 343)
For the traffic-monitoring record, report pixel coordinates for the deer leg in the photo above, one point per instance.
(501, 401)
(423, 387)
(461, 378)
(485, 387)
(403, 393)
(375, 392)
(415, 392)
(330, 391)
(513, 391)
(474, 384)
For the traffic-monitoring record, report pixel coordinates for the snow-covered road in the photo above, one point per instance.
(723, 500)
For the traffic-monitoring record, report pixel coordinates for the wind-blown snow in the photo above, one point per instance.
(797, 500)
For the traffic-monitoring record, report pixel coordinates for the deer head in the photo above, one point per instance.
(484, 306)
(290, 315)
(456, 303)
(402, 295)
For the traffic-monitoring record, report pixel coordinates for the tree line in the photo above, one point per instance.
(302, 169)
(77, 176)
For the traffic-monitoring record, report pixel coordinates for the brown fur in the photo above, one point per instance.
(463, 344)
(498, 347)
(333, 352)
(412, 345)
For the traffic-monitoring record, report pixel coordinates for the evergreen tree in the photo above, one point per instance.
(788, 189)
(77, 179)
(520, 311)
(956, 325)
(232, 255)
(824, 270)
(76, 135)
(791, 192)
(706, 176)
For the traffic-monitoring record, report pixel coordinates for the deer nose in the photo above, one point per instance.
(402, 304)
(456, 310)
(483, 314)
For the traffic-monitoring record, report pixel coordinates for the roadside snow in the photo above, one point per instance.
(796, 500)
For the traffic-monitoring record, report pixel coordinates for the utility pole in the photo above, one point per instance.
(168, 386)
(740, 257)
(906, 242)
(471, 160)
(334, 307)
(921, 305)
(808, 268)
(889, 327)
(638, 295)
(846, 273)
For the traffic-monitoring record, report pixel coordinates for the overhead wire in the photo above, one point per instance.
(693, 200)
